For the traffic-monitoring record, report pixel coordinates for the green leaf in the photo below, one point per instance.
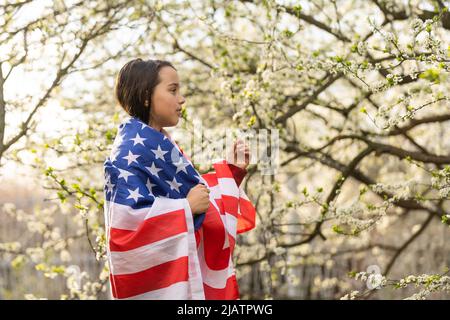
(58, 269)
(18, 262)
(337, 229)
(362, 191)
(305, 191)
(276, 187)
(287, 33)
(109, 135)
(77, 139)
(49, 171)
(431, 75)
(40, 267)
(252, 121)
(338, 58)
(297, 9)
(61, 196)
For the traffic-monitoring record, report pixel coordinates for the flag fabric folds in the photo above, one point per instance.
(154, 249)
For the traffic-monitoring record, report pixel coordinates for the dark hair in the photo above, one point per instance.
(135, 84)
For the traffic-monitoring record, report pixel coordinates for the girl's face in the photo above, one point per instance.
(166, 101)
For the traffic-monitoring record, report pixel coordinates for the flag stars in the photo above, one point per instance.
(159, 153)
(138, 140)
(153, 170)
(134, 194)
(181, 165)
(131, 157)
(150, 186)
(124, 174)
(174, 185)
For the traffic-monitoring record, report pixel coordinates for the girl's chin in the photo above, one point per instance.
(172, 123)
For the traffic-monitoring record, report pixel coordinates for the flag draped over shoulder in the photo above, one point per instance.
(154, 250)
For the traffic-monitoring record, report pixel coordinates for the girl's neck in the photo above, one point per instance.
(155, 126)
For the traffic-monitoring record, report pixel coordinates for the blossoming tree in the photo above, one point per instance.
(357, 92)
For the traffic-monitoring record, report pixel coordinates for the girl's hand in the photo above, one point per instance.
(240, 156)
(198, 198)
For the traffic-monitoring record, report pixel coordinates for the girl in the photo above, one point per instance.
(170, 231)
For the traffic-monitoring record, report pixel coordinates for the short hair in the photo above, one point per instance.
(135, 85)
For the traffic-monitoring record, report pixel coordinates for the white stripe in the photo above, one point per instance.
(231, 224)
(228, 187)
(163, 251)
(213, 201)
(145, 257)
(215, 192)
(196, 291)
(127, 218)
(176, 291)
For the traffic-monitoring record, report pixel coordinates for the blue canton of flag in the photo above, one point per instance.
(145, 164)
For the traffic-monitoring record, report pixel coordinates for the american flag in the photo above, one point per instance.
(155, 248)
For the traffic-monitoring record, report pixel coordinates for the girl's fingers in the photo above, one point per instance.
(202, 187)
(241, 147)
(245, 152)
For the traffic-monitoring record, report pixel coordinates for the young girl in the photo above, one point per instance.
(170, 231)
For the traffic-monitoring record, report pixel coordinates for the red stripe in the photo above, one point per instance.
(232, 242)
(214, 235)
(198, 236)
(149, 231)
(246, 220)
(211, 179)
(223, 170)
(219, 203)
(161, 276)
(231, 204)
(230, 292)
(238, 174)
